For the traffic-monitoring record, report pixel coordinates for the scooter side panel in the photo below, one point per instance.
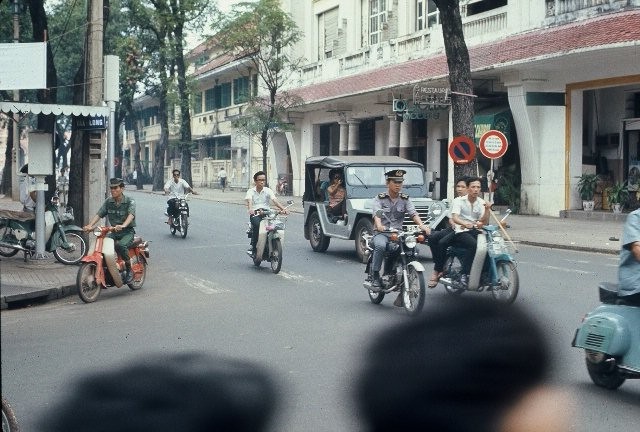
(110, 259)
(606, 330)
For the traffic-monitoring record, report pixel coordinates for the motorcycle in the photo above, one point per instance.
(282, 187)
(270, 238)
(180, 223)
(9, 420)
(103, 268)
(400, 270)
(493, 269)
(610, 337)
(63, 238)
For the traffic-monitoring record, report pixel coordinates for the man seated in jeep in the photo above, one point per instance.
(394, 206)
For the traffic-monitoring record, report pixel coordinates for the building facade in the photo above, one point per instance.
(566, 74)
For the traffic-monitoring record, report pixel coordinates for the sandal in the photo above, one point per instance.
(435, 277)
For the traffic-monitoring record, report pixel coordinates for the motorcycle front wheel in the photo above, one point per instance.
(9, 420)
(453, 271)
(184, 224)
(72, 256)
(509, 282)
(7, 251)
(88, 288)
(413, 294)
(276, 256)
(140, 276)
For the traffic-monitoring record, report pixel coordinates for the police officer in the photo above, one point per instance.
(121, 212)
(394, 205)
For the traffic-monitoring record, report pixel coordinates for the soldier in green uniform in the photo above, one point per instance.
(394, 205)
(121, 212)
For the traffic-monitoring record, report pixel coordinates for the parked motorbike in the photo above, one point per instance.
(270, 238)
(282, 187)
(400, 270)
(180, 223)
(103, 268)
(63, 238)
(9, 420)
(494, 267)
(610, 337)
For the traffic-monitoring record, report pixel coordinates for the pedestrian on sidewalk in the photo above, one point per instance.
(222, 178)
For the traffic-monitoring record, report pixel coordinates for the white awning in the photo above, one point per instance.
(57, 109)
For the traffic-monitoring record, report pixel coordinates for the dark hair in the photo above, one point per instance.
(457, 368)
(258, 174)
(185, 392)
(335, 172)
(472, 179)
(175, 171)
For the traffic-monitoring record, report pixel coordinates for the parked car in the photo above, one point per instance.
(363, 180)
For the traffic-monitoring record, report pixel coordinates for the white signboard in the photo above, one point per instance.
(23, 66)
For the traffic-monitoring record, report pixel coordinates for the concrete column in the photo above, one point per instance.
(405, 139)
(344, 138)
(354, 142)
(394, 136)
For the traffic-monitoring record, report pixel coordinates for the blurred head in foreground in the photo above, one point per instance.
(186, 392)
(466, 365)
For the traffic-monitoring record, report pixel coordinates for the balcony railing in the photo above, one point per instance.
(556, 8)
(486, 24)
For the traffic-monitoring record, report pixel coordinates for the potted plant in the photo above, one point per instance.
(618, 196)
(587, 184)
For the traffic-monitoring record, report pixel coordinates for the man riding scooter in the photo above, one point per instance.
(629, 270)
(120, 211)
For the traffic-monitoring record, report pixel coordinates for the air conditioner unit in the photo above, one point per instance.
(399, 105)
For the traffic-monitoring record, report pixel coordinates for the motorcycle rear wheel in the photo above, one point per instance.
(413, 295)
(184, 225)
(452, 270)
(276, 256)
(138, 281)
(509, 282)
(74, 256)
(602, 376)
(88, 288)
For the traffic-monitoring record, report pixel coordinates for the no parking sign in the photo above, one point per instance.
(462, 150)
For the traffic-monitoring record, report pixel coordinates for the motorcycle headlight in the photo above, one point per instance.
(97, 232)
(410, 241)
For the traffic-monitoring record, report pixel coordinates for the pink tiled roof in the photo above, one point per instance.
(597, 32)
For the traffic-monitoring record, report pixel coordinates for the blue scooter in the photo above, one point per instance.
(610, 337)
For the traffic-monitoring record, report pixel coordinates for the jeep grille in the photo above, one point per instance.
(426, 215)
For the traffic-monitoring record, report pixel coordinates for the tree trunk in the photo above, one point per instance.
(185, 115)
(7, 181)
(459, 78)
(158, 160)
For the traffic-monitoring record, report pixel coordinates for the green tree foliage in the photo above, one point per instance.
(459, 77)
(263, 34)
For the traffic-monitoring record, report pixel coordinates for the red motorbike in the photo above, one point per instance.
(103, 268)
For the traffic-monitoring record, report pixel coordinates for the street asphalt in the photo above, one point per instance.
(46, 279)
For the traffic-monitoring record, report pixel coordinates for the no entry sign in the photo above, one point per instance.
(462, 150)
(493, 144)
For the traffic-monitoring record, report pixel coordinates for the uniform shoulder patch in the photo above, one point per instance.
(404, 196)
(382, 195)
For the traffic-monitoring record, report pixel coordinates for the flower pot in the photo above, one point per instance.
(588, 205)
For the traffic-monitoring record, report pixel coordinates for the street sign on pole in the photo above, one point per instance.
(462, 150)
(493, 144)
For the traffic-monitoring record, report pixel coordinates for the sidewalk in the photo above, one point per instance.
(48, 279)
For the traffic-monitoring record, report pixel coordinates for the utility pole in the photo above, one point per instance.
(16, 155)
(94, 141)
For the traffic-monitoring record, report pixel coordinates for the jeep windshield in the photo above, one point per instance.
(372, 176)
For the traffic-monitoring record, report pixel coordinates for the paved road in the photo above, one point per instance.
(310, 323)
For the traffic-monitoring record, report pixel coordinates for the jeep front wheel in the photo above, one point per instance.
(364, 226)
(319, 242)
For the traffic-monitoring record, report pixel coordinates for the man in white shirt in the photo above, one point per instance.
(470, 213)
(175, 186)
(259, 198)
(222, 178)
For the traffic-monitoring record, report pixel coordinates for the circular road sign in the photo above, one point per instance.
(462, 150)
(493, 144)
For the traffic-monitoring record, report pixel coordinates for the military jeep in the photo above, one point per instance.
(363, 180)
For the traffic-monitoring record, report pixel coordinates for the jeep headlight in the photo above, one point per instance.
(436, 209)
(410, 241)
